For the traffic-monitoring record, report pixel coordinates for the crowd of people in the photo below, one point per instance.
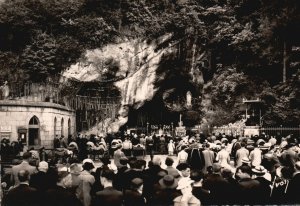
(212, 170)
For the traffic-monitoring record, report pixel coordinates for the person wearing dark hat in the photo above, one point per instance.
(216, 185)
(151, 176)
(198, 191)
(136, 171)
(119, 182)
(264, 189)
(109, 196)
(246, 186)
(40, 180)
(86, 182)
(165, 191)
(134, 195)
(24, 165)
(22, 194)
(59, 195)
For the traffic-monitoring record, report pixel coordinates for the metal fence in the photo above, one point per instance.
(282, 131)
(271, 131)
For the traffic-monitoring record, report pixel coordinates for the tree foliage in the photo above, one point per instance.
(43, 37)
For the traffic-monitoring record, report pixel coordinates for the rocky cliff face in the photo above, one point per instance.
(140, 70)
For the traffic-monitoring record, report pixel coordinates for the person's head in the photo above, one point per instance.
(124, 160)
(23, 176)
(184, 168)
(139, 164)
(216, 168)
(26, 156)
(132, 161)
(75, 169)
(169, 161)
(137, 184)
(62, 172)
(168, 181)
(105, 160)
(245, 161)
(259, 171)
(156, 160)
(88, 164)
(107, 176)
(243, 144)
(226, 173)
(197, 175)
(43, 166)
(297, 166)
(243, 172)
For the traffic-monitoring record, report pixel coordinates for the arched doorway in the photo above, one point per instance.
(69, 127)
(34, 132)
(62, 127)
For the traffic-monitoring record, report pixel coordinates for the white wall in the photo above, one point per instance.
(14, 116)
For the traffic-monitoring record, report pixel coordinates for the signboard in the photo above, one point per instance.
(5, 128)
(251, 131)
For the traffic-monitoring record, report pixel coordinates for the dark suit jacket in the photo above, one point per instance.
(247, 191)
(218, 188)
(21, 195)
(40, 181)
(293, 190)
(59, 196)
(133, 197)
(108, 197)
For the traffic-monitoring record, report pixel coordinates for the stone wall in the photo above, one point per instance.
(17, 114)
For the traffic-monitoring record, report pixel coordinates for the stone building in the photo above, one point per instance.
(35, 123)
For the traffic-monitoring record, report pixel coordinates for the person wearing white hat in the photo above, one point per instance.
(264, 188)
(187, 197)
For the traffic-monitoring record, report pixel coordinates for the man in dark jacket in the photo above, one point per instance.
(109, 196)
(59, 195)
(264, 189)
(216, 185)
(294, 187)
(134, 196)
(40, 180)
(23, 194)
(247, 188)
